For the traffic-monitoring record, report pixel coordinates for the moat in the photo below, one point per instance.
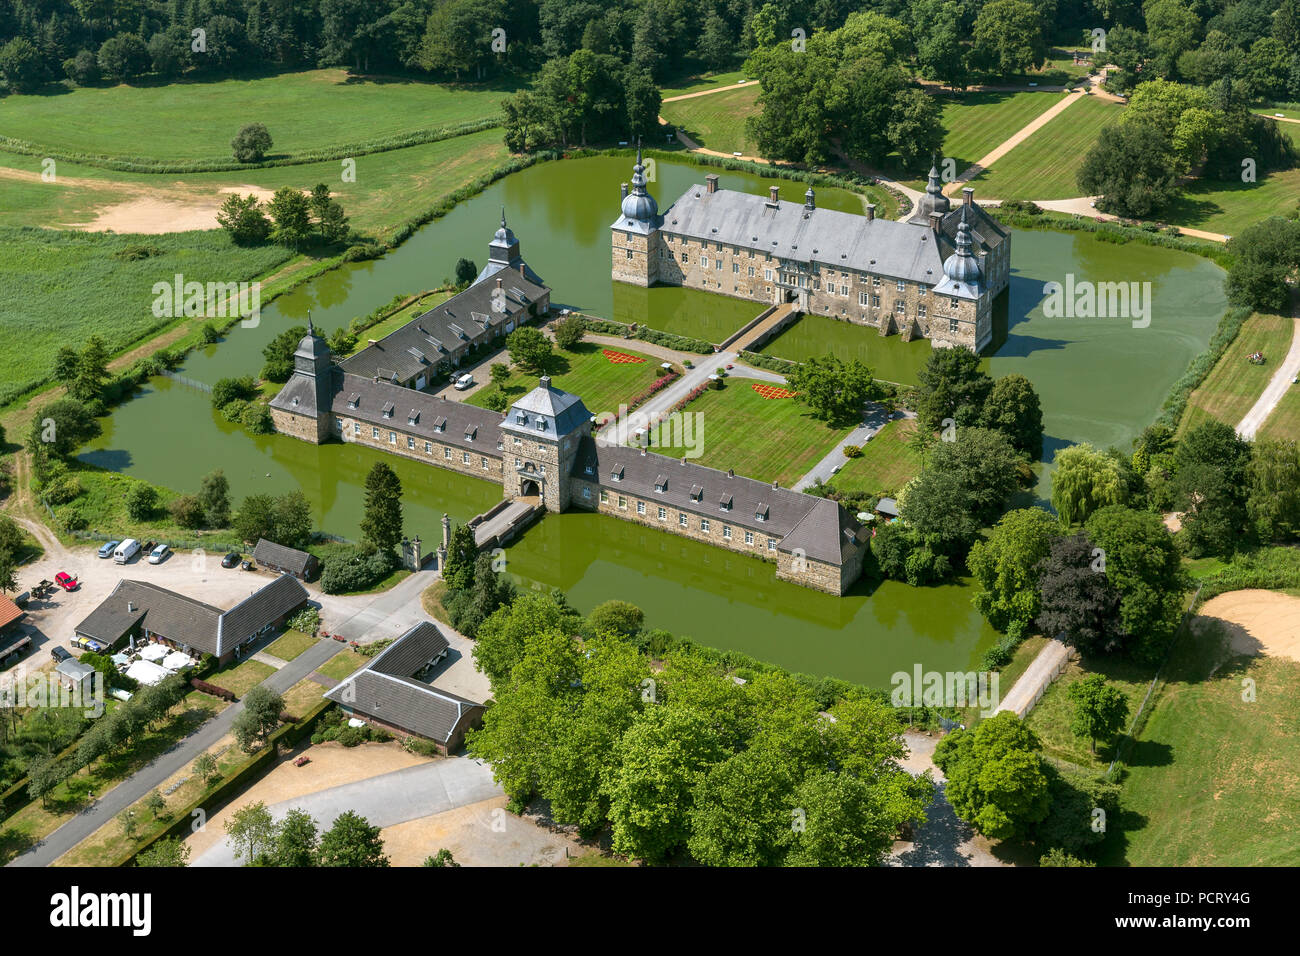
(1100, 381)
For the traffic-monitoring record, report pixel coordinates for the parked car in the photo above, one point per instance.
(230, 560)
(125, 551)
(464, 382)
(60, 655)
(159, 554)
(107, 550)
(247, 566)
(66, 581)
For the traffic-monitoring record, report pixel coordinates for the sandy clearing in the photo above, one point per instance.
(331, 765)
(481, 834)
(1173, 521)
(1258, 622)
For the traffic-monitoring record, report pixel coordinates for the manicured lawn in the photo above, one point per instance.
(302, 697)
(1234, 384)
(585, 372)
(1051, 716)
(303, 111)
(717, 121)
(1045, 165)
(767, 439)
(886, 465)
(703, 81)
(889, 357)
(977, 122)
(1213, 780)
(1229, 207)
(342, 664)
(242, 678)
(290, 645)
(389, 188)
(1285, 420)
(43, 271)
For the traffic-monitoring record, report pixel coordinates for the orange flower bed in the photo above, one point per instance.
(772, 391)
(621, 358)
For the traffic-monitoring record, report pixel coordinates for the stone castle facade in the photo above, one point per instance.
(935, 275)
(542, 448)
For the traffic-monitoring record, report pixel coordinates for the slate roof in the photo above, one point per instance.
(832, 239)
(270, 554)
(695, 488)
(456, 417)
(560, 412)
(384, 688)
(182, 619)
(429, 338)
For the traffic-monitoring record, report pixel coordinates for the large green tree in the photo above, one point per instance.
(834, 390)
(1083, 480)
(1098, 710)
(351, 841)
(1006, 567)
(997, 779)
(1077, 603)
(381, 524)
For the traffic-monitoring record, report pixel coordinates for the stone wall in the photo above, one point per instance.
(442, 454)
(300, 426)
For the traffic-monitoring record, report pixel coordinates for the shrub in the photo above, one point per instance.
(355, 570)
(418, 745)
(307, 620)
(141, 501)
(496, 401)
(73, 518)
(233, 411)
(852, 451)
(186, 511)
(228, 389)
(256, 417)
(212, 689)
(62, 491)
(251, 143)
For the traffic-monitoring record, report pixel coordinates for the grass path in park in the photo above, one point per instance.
(389, 187)
(766, 439)
(191, 120)
(1234, 384)
(717, 121)
(703, 83)
(585, 372)
(978, 121)
(1045, 165)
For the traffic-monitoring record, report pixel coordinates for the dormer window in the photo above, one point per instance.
(388, 410)
(761, 513)
(697, 493)
(616, 474)
(541, 424)
(470, 433)
(589, 468)
(521, 418)
(413, 418)
(353, 399)
(661, 483)
(725, 503)
(440, 424)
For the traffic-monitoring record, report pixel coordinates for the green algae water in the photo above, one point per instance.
(1099, 383)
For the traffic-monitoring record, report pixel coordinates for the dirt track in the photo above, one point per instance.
(1259, 622)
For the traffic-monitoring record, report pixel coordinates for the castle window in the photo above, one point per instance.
(875, 301)
(725, 503)
(541, 424)
(954, 302)
(920, 290)
(681, 520)
(484, 463)
(446, 453)
(875, 280)
(717, 264)
(388, 410)
(410, 443)
(412, 418)
(518, 441)
(726, 532)
(661, 252)
(771, 544)
(616, 474)
(704, 262)
(356, 428)
(521, 418)
(629, 253)
(704, 524)
(392, 438)
(338, 425)
(352, 400)
(952, 325)
(663, 514)
(900, 306)
(518, 463)
(470, 433)
(751, 272)
(767, 275)
(920, 312)
(622, 502)
(586, 492)
(589, 468)
(901, 285)
(604, 497)
(428, 448)
(862, 298)
(374, 432)
(464, 458)
(640, 507)
(717, 247)
(749, 537)
(684, 257)
(661, 483)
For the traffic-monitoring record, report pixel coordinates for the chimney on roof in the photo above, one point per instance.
(810, 200)
(968, 195)
(544, 381)
(774, 195)
(711, 183)
(936, 219)
(499, 283)
(731, 473)
(376, 378)
(871, 211)
(130, 607)
(624, 196)
(683, 459)
(776, 484)
(643, 451)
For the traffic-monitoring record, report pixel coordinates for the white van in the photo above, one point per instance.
(127, 550)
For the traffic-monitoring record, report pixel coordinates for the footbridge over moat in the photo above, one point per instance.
(501, 523)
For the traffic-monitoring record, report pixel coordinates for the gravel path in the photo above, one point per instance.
(1276, 388)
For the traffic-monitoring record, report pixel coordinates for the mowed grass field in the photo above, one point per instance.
(886, 465)
(303, 111)
(978, 122)
(388, 189)
(61, 287)
(704, 81)
(1229, 207)
(1285, 420)
(1234, 384)
(1045, 165)
(585, 372)
(768, 439)
(717, 121)
(1213, 780)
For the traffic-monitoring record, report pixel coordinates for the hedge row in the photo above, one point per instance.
(1270, 569)
(1172, 410)
(681, 343)
(769, 362)
(236, 781)
(137, 164)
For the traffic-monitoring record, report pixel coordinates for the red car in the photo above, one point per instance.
(66, 581)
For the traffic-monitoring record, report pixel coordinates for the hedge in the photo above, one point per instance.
(769, 362)
(1270, 569)
(1171, 412)
(680, 343)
